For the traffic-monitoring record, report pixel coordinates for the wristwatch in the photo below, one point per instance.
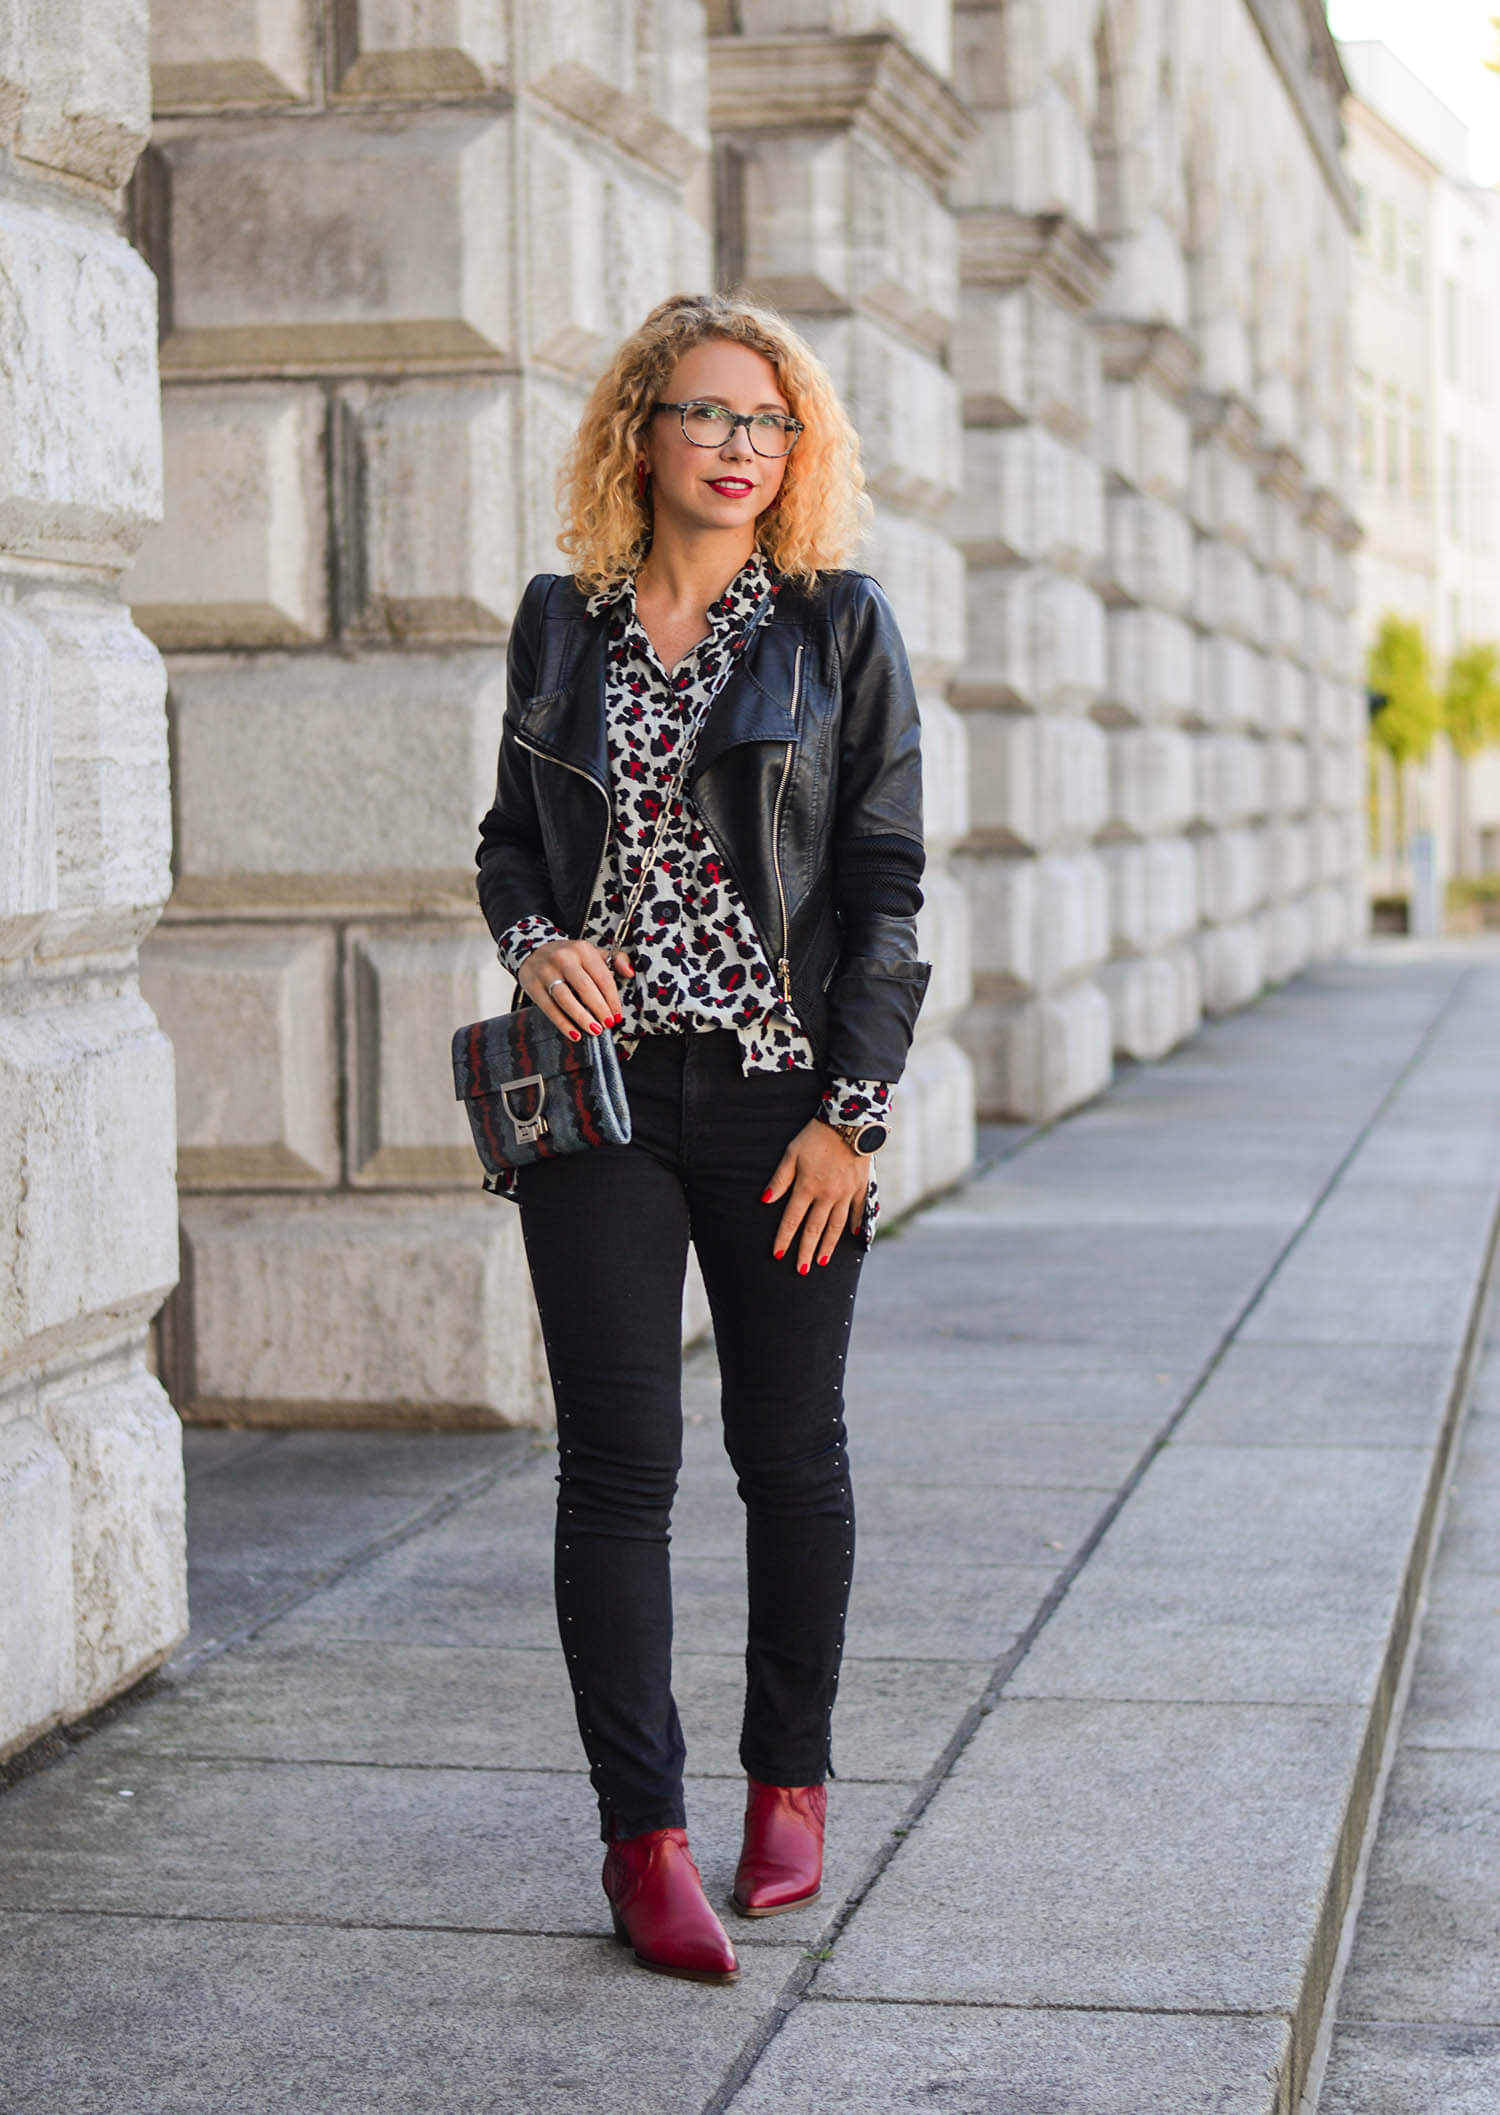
(866, 1138)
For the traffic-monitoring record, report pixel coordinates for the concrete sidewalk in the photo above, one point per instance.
(1418, 2016)
(1149, 1428)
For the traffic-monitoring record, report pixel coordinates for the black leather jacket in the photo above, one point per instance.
(807, 776)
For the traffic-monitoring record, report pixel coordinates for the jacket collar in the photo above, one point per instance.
(565, 715)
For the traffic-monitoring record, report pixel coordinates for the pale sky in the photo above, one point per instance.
(1444, 43)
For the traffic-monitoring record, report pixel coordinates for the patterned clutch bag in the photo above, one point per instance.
(533, 1094)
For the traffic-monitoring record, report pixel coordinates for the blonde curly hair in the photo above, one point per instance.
(821, 510)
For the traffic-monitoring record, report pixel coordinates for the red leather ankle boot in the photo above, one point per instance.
(661, 1911)
(781, 1865)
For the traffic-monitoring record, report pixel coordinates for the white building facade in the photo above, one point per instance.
(92, 1580)
(1427, 426)
(1081, 268)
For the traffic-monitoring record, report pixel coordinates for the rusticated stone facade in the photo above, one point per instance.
(1165, 737)
(1080, 268)
(831, 157)
(395, 244)
(92, 1588)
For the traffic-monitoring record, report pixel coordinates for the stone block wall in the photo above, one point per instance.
(835, 130)
(395, 242)
(1163, 722)
(1087, 306)
(92, 1583)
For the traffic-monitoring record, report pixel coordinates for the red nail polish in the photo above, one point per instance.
(779, 1254)
(572, 1035)
(766, 1197)
(824, 1259)
(595, 1029)
(802, 1270)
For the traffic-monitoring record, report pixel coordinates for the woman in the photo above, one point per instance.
(765, 997)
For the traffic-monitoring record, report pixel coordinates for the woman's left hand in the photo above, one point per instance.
(824, 1183)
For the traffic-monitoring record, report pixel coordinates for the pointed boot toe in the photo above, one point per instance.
(660, 1910)
(781, 1865)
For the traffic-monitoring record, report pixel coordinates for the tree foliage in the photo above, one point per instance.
(1399, 670)
(1471, 698)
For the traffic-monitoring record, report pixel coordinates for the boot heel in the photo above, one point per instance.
(620, 1932)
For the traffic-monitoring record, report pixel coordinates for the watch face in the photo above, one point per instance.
(871, 1138)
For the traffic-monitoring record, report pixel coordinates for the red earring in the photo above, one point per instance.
(641, 476)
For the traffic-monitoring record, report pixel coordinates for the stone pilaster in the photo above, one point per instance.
(1152, 377)
(92, 1587)
(1150, 705)
(832, 149)
(395, 244)
(1033, 526)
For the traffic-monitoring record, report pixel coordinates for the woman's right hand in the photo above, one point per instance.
(583, 997)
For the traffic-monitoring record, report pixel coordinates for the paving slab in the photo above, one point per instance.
(1429, 1930)
(1413, 2070)
(1241, 1574)
(1330, 1302)
(939, 1516)
(480, 1850)
(1471, 1533)
(455, 1586)
(1484, 1395)
(1412, 1154)
(1342, 1395)
(147, 2017)
(474, 1708)
(1455, 1695)
(1001, 1447)
(893, 1394)
(1480, 1470)
(897, 1611)
(1159, 1857)
(1172, 1289)
(890, 2059)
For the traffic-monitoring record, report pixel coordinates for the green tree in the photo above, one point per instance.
(1471, 698)
(1399, 673)
(1409, 714)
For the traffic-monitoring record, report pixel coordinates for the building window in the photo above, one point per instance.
(1415, 272)
(1388, 238)
(1364, 422)
(1454, 492)
(1392, 439)
(1450, 329)
(1416, 447)
(1362, 218)
(1481, 499)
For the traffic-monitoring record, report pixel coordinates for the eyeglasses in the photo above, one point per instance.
(711, 425)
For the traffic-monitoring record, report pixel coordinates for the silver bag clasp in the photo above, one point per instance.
(528, 1129)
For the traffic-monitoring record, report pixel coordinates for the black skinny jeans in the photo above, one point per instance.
(607, 1235)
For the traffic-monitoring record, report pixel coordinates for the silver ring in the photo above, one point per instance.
(554, 984)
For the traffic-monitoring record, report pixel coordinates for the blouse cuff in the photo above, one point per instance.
(857, 1101)
(523, 939)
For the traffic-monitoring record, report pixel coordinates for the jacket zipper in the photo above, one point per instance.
(590, 780)
(782, 964)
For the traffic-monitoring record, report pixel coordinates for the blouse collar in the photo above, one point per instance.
(743, 596)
